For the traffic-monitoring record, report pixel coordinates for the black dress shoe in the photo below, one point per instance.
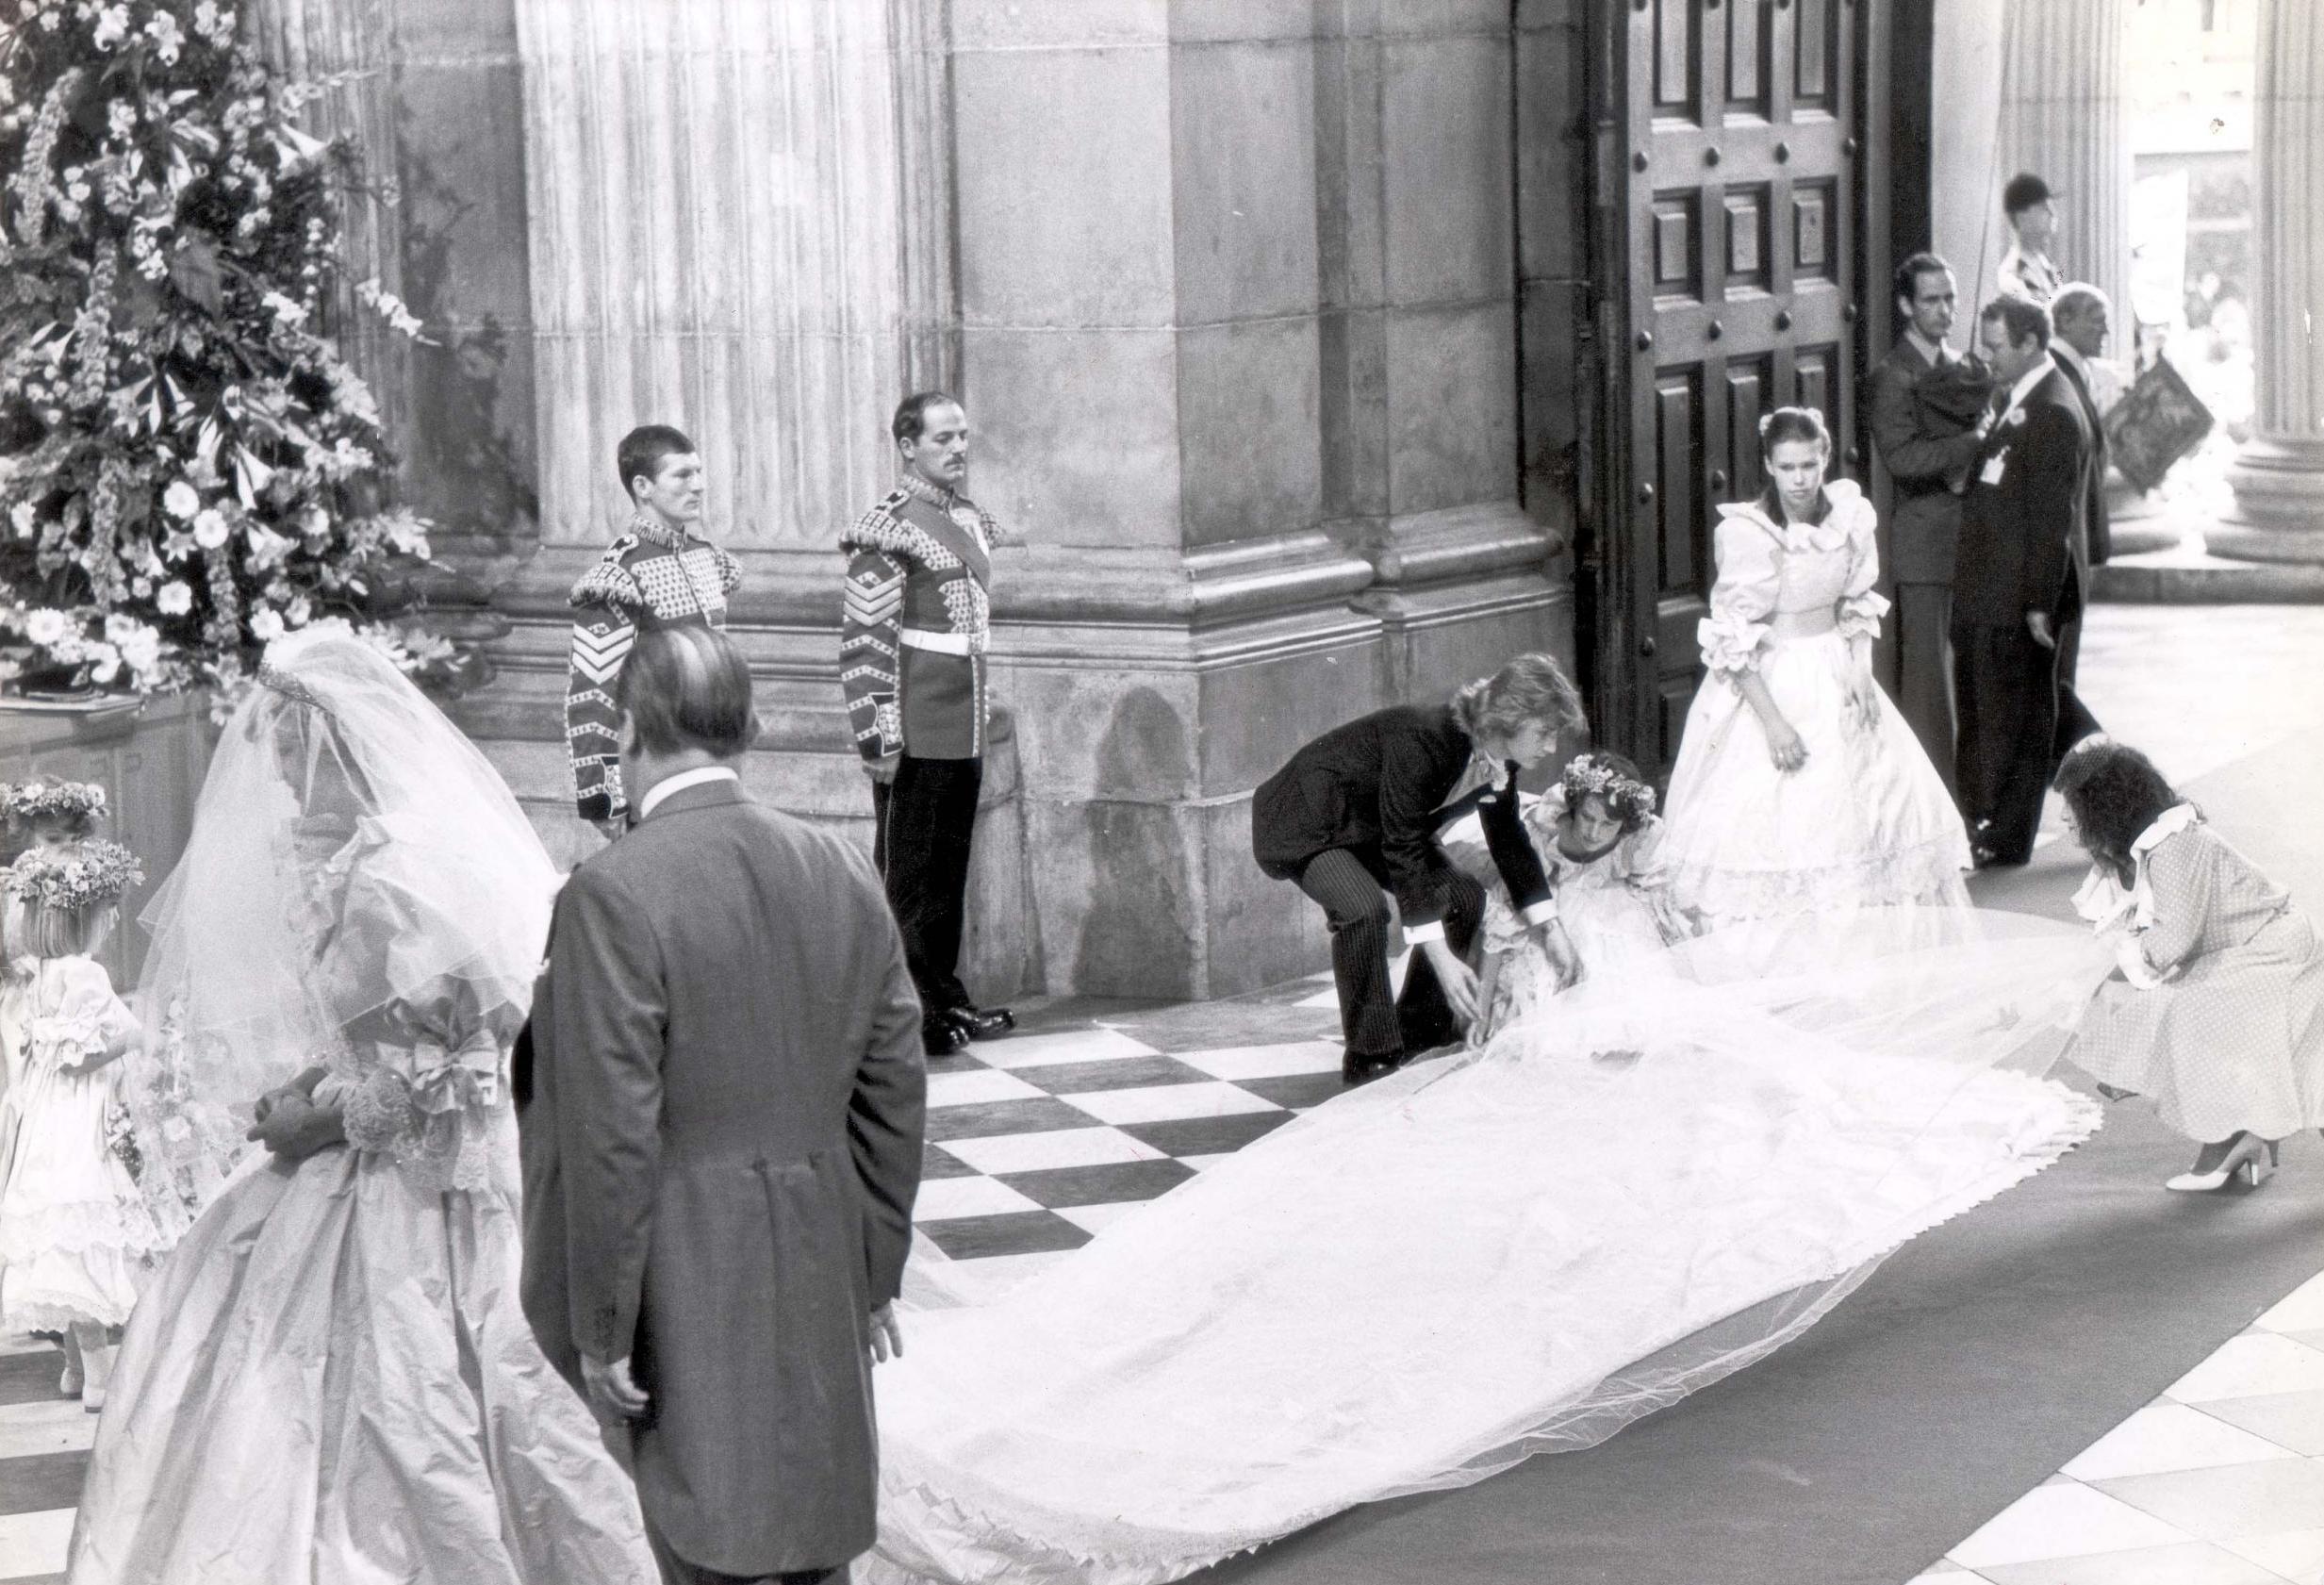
(982, 1023)
(941, 1037)
(1356, 1069)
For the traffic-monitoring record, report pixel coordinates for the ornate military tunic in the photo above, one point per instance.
(916, 623)
(648, 578)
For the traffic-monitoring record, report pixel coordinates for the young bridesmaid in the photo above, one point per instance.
(75, 1233)
(1601, 846)
(2218, 1011)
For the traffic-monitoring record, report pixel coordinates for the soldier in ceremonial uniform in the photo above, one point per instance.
(661, 573)
(912, 647)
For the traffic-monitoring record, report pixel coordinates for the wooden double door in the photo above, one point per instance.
(1733, 145)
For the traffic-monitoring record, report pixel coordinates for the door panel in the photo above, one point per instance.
(1740, 267)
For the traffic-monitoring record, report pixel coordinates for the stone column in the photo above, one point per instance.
(2062, 118)
(718, 235)
(1415, 201)
(2278, 476)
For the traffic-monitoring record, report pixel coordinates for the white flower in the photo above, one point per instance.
(174, 599)
(141, 588)
(266, 547)
(209, 529)
(20, 515)
(299, 611)
(167, 36)
(181, 499)
(120, 118)
(107, 662)
(288, 312)
(47, 627)
(112, 25)
(266, 625)
(142, 649)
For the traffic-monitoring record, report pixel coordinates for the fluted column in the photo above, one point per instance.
(2278, 476)
(718, 229)
(2063, 118)
(349, 45)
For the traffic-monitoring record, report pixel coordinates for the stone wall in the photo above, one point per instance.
(1263, 312)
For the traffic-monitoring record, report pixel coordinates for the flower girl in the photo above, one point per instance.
(75, 1231)
(1601, 846)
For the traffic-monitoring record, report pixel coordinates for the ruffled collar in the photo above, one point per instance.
(1844, 512)
(2105, 901)
(2171, 823)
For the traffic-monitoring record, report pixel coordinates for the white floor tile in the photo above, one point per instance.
(1033, 1152)
(2250, 1364)
(2300, 1310)
(2294, 1420)
(942, 1198)
(2232, 1500)
(2190, 1562)
(2169, 1436)
(51, 1425)
(976, 1086)
(34, 1542)
(2294, 1554)
(1322, 1001)
(1159, 1103)
(1096, 1218)
(1074, 1045)
(2069, 1520)
(1268, 1062)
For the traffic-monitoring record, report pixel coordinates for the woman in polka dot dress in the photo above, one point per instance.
(2218, 1010)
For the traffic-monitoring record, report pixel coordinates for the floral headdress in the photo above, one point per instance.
(1595, 775)
(42, 800)
(69, 880)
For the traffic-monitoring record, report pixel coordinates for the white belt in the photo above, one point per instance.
(942, 643)
(1812, 622)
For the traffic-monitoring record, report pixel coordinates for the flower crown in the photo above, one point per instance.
(1589, 776)
(74, 877)
(26, 802)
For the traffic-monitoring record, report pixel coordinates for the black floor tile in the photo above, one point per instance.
(40, 1481)
(1206, 1136)
(30, 1378)
(1014, 1232)
(987, 1119)
(943, 1164)
(1107, 1185)
(1299, 1091)
(1122, 1073)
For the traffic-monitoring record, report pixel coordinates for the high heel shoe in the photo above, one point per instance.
(2241, 1161)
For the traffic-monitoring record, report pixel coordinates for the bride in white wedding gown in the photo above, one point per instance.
(1663, 1176)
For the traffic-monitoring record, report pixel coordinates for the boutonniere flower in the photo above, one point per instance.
(2016, 417)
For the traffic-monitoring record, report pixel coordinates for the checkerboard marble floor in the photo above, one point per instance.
(2219, 1481)
(1036, 1143)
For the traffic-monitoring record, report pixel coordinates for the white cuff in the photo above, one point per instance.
(1420, 936)
(1542, 911)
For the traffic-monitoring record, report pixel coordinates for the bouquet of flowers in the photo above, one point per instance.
(120, 1138)
(188, 467)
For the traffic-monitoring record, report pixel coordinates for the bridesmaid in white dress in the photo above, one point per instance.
(1799, 786)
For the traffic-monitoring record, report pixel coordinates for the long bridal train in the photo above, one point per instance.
(1657, 1180)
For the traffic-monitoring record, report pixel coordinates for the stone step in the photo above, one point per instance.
(2187, 575)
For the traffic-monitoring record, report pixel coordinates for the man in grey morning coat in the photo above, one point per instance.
(721, 1109)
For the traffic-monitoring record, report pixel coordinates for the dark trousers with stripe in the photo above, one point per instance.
(925, 821)
(2019, 717)
(1351, 885)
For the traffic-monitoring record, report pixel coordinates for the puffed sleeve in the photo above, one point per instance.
(88, 1020)
(1750, 570)
(2182, 874)
(1861, 604)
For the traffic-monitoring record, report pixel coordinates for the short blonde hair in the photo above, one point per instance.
(1530, 688)
(65, 932)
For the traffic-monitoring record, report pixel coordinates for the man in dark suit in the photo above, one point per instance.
(1355, 816)
(721, 1130)
(2017, 585)
(1926, 400)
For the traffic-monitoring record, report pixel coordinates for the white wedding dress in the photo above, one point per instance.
(1667, 1174)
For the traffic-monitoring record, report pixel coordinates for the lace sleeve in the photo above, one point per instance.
(1750, 572)
(1861, 603)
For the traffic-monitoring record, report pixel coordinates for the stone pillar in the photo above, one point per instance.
(2062, 118)
(1415, 217)
(430, 92)
(2279, 475)
(716, 234)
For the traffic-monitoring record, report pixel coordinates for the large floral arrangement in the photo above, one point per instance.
(188, 467)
